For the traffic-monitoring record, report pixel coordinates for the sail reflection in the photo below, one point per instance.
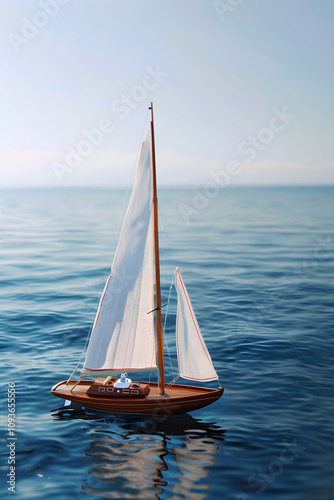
(143, 459)
(125, 467)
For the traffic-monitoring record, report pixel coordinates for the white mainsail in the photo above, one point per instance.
(122, 337)
(193, 357)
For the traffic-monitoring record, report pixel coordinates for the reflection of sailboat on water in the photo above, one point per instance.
(123, 334)
(134, 458)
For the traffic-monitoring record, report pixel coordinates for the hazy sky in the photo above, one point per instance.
(242, 91)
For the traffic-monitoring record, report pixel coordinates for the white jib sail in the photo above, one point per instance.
(122, 337)
(193, 357)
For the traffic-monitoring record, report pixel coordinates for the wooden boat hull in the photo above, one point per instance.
(178, 399)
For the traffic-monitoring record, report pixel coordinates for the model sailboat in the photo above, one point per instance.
(124, 338)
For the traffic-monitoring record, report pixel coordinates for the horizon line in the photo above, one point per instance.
(168, 186)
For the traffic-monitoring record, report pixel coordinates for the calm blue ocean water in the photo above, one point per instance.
(258, 264)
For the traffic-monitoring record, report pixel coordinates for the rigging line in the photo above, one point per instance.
(173, 381)
(165, 320)
(163, 223)
(87, 338)
(83, 350)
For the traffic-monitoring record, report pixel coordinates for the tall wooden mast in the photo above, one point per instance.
(157, 266)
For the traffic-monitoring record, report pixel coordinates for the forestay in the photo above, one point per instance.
(122, 337)
(193, 357)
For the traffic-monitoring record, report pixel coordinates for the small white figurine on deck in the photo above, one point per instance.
(123, 382)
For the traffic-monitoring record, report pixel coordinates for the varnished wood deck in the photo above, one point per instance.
(178, 398)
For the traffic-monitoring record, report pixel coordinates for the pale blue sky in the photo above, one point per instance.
(221, 75)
